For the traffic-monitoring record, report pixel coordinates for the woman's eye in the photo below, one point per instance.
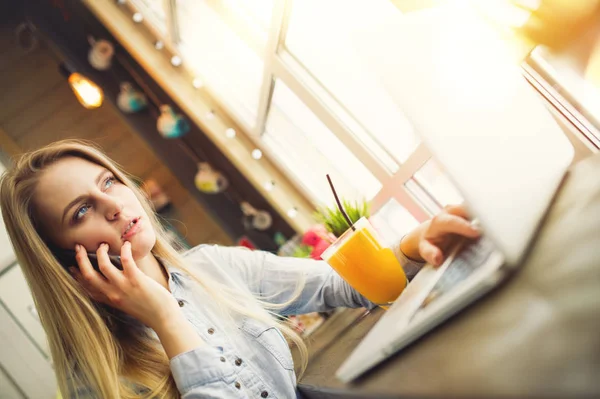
(109, 182)
(81, 212)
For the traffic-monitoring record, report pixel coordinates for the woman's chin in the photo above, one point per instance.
(141, 245)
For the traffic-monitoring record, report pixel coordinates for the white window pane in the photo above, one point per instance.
(7, 256)
(392, 221)
(433, 181)
(423, 197)
(229, 68)
(574, 74)
(308, 151)
(320, 36)
(153, 12)
(16, 296)
(258, 11)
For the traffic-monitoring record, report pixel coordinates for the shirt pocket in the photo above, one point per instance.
(271, 339)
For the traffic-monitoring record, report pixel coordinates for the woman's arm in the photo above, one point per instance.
(277, 279)
(430, 241)
(138, 295)
(198, 368)
(304, 285)
(177, 335)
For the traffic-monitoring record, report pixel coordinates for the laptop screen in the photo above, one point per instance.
(456, 82)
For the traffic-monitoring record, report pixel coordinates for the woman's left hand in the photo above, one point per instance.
(431, 240)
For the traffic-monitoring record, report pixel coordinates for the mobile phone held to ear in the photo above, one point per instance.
(66, 257)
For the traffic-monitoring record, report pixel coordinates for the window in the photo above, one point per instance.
(308, 150)
(571, 77)
(153, 11)
(255, 12)
(321, 38)
(433, 181)
(393, 222)
(562, 41)
(219, 57)
(288, 73)
(432, 189)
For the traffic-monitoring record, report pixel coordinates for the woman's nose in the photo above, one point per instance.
(113, 208)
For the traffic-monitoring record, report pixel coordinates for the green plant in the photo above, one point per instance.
(335, 222)
(302, 251)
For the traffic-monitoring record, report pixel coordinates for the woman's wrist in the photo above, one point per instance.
(409, 244)
(168, 321)
(177, 335)
(163, 316)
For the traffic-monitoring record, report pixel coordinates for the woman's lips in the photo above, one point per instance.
(133, 230)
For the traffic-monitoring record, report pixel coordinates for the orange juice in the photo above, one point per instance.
(369, 267)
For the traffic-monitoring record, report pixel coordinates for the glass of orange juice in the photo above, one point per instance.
(368, 266)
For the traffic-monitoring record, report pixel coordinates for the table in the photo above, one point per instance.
(538, 335)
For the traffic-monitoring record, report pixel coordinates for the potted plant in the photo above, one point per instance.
(334, 221)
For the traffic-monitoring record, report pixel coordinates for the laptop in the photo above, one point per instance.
(465, 96)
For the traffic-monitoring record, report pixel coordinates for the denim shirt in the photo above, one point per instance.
(252, 359)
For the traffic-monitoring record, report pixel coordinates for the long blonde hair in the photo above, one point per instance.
(91, 344)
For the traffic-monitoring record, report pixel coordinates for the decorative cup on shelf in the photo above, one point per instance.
(160, 200)
(170, 124)
(372, 269)
(210, 181)
(255, 218)
(131, 100)
(101, 54)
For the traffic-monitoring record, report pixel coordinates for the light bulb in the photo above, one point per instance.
(159, 45)
(138, 17)
(176, 60)
(270, 185)
(256, 154)
(230, 133)
(197, 83)
(293, 212)
(86, 91)
(210, 114)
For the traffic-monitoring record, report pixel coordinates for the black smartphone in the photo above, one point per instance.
(66, 257)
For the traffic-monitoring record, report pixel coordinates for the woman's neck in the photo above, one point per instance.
(151, 267)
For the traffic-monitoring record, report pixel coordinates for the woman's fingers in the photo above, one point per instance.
(130, 269)
(111, 285)
(432, 254)
(106, 267)
(457, 210)
(89, 275)
(445, 223)
(93, 292)
(442, 232)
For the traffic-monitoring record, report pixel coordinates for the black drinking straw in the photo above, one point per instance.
(339, 204)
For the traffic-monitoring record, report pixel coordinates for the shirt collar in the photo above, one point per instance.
(175, 275)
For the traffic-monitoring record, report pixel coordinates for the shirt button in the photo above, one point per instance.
(264, 394)
(222, 359)
(211, 331)
(237, 385)
(181, 303)
(238, 362)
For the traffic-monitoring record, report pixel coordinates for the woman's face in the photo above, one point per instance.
(80, 202)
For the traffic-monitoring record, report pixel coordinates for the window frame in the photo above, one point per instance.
(533, 73)
(280, 64)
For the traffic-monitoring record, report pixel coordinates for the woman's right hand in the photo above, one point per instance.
(130, 290)
(431, 240)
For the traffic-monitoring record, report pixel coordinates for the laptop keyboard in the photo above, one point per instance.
(472, 256)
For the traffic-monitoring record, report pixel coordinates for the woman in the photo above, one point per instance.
(198, 324)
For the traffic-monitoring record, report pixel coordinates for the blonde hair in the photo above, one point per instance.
(92, 345)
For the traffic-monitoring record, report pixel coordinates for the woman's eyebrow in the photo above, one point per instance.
(79, 198)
